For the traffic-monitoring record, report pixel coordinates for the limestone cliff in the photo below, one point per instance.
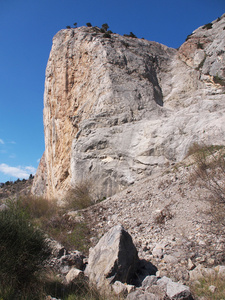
(117, 109)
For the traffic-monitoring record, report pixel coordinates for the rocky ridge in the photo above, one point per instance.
(119, 109)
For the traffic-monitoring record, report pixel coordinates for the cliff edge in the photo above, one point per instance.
(119, 109)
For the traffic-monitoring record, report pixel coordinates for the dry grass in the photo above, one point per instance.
(209, 288)
(79, 196)
(209, 169)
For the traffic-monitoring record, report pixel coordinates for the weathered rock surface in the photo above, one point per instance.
(112, 264)
(154, 288)
(117, 110)
(189, 233)
(114, 258)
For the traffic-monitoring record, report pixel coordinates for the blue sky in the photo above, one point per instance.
(26, 31)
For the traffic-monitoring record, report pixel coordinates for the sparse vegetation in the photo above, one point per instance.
(199, 45)
(69, 232)
(23, 251)
(79, 197)
(212, 288)
(219, 80)
(132, 35)
(105, 26)
(207, 26)
(107, 35)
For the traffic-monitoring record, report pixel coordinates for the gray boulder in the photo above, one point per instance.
(114, 258)
(175, 291)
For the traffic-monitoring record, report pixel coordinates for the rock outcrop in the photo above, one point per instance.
(118, 109)
(114, 258)
(113, 264)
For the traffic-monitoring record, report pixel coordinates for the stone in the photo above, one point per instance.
(57, 249)
(3, 207)
(175, 290)
(144, 269)
(138, 295)
(163, 282)
(158, 251)
(149, 281)
(74, 275)
(212, 289)
(122, 289)
(191, 265)
(118, 110)
(220, 271)
(114, 258)
(200, 272)
(73, 259)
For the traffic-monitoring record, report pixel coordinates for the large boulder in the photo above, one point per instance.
(114, 258)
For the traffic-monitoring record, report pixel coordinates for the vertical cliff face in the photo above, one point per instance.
(113, 106)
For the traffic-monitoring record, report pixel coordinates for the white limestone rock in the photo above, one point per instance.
(117, 110)
(114, 258)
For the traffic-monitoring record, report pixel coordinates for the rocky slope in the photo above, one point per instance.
(119, 109)
(173, 221)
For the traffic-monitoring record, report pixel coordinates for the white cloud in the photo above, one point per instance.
(18, 172)
(30, 169)
(2, 142)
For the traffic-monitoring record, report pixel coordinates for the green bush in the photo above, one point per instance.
(105, 26)
(207, 26)
(132, 35)
(107, 35)
(23, 251)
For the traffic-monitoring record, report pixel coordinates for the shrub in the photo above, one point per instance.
(88, 24)
(37, 207)
(79, 197)
(68, 27)
(201, 288)
(207, 26)
(130, 35)
(219, 80)
(105, 26)
(209, 168)
(23, 251)
(107, 35)
(199, 45)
